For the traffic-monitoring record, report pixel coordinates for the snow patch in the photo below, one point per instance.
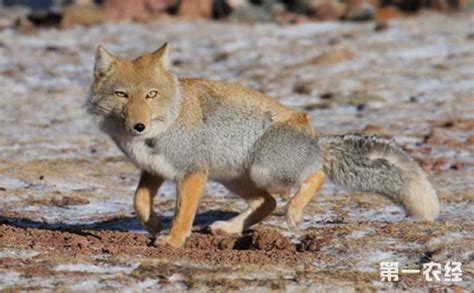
(102, 269)
(15, 253)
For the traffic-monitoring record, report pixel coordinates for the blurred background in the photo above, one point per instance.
(65, 13)
(396, 68)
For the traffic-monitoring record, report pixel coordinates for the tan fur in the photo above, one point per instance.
(192, 90)
(135, 78)
(143, 202)
(422, 201)
(190, 191)
(136, 112)
(138, 73)
(307, 191)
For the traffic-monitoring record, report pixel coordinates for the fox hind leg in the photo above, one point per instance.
(143, 202)
(260, 205)
(308, 189)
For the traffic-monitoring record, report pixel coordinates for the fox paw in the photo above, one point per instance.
(293, 217)
(153, 225)
(169, 241)
(224, 227)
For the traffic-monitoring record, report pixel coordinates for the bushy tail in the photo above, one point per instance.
(374, 164)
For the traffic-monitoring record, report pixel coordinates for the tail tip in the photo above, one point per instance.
(422, 200)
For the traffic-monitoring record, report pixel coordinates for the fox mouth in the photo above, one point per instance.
(158, 119)
(134, 134)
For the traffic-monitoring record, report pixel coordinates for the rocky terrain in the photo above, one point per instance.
(66, 216)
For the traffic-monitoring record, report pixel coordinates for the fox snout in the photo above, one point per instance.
(137, 118)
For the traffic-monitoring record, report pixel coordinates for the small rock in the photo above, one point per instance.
(386, 13)
(221, 9)
(82, 15)
(371, 129)
(311, 243)
(195, 9)
(381, 26)
(470, 140)
(221, 56)
(361, 107)
(327, 10)
(226, 243)
(441, 165)
(453, 143)
(449, 5)
(333, 57)
(360, 10)
(251, 13)
(302, 88)
(434, 137)
(133, 9)
(326, 96)
(271, 240)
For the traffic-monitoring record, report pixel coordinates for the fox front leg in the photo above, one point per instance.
(190, 191)
(143, 202)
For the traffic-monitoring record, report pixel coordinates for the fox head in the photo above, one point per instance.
(133, 97)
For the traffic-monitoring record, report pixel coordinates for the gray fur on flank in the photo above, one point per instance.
(283, 158)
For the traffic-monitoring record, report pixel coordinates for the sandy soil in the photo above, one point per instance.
(66, 217)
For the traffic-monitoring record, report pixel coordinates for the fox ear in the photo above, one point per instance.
(103, 61)
(162, 56)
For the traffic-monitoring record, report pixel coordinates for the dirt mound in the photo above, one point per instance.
(315, 240)
(257, 247)
(264, 240)
(268, 240)
(209, 242)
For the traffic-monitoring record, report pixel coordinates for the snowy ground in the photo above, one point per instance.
(66, 217)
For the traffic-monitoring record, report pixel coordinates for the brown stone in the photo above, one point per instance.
(453, 143)
(302, 88)
(386, 13)
(133, 9)
(82, 15)
(361, 9)
(327, 10)
(470, 140)
(195, 9)
(333, 57)
(371, 129)
(381, 26)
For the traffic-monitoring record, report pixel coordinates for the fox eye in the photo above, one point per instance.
(151, 94)
(121, 94)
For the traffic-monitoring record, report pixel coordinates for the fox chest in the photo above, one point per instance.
(147, 159)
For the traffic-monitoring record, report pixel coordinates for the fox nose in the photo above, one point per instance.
(139, 127)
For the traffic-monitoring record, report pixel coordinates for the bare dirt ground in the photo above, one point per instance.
(66, 217)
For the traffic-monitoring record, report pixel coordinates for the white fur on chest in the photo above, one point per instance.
(141, 155)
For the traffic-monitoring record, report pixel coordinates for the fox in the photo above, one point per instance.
(190, 131)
